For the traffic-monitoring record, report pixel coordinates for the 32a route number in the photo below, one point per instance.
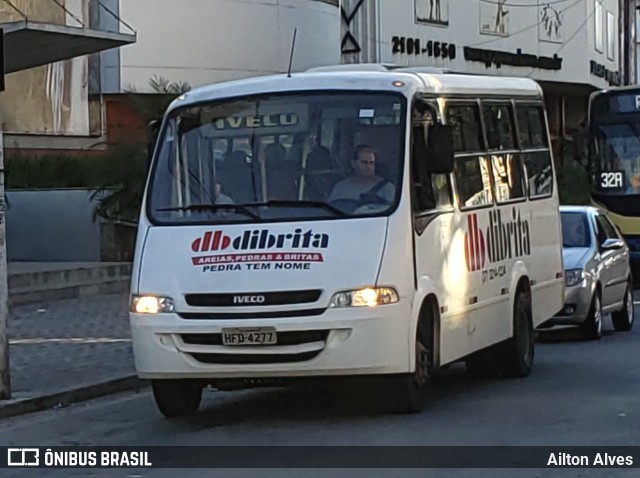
(611, 180)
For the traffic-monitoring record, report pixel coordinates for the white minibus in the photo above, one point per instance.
(346, 222)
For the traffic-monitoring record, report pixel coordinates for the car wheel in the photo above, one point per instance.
(623, 319)
(591, 329)
(176, 398)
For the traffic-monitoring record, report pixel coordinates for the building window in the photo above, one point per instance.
(432, 11)
(598, 31)
(494, 17)
(551, 23)
(611, 36)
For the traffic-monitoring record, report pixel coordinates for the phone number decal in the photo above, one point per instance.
(414, 46)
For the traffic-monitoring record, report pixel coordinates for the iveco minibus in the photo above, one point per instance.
(363, 221)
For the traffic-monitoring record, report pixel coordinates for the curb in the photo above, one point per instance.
(63, 399)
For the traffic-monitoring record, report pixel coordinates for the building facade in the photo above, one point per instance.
(80, 106)
(571, 47)
(208, 41)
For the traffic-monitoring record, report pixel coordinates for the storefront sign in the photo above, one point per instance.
(601, 71)
(498, 58)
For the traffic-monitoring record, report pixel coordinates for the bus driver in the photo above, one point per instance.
(364, 185)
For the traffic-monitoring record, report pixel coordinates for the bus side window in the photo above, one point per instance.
(533, 136)
(473, 181)
(508, 174)
(471, 169)
(539, 173)
(464, 119)
(498, 121)
(531, 127)
(431, 191)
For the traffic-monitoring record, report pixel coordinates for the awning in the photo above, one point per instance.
(29, 44)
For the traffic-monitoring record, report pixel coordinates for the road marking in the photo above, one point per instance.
(70, 340)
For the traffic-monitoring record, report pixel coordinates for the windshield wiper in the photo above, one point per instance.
(295, 203)
(215, 207)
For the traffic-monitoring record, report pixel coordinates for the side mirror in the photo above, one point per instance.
(612, 244)
(440, 152)
(152, 134)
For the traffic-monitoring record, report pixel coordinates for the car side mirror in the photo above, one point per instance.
(440, 152)
(612, 244)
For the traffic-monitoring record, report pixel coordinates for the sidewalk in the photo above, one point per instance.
(68, 350)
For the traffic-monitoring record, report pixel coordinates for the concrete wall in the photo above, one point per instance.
(52, 225)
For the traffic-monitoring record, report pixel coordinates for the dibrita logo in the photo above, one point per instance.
(260, 239)
(503, 238)
(474, 246)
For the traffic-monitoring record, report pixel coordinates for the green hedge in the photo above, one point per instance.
(573, 183)
(118, 166)
(118, 178)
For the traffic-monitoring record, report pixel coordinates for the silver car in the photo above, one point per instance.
(597, 273)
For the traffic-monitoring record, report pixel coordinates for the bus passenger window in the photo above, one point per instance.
(509, 177)
(465, 121)
(499, 125)
(531, 127)
(473, 181)
(539, 173)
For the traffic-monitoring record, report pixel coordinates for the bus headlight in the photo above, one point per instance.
(369, 297)
(149, 304)
(573, 277)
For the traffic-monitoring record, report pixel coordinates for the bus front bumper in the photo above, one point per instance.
(350, 341)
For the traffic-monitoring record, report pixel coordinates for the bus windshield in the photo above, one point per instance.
(281, 157)
(615, 145)
(617, 154)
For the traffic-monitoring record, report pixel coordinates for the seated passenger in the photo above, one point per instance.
(280, 173)
(364, 185)
(221, 198)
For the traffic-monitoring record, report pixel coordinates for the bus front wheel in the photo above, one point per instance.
(409, 391)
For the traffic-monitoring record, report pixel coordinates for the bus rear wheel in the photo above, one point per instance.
(516, 354)
(176, 398)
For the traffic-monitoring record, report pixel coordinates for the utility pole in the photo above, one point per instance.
(632, 59)
(5, 380)
(628, 37)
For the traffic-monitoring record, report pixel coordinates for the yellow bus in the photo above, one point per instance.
(614, 159)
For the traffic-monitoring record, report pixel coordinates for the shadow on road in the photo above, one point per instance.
(322, 402)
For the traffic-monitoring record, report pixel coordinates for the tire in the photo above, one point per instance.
(176, 398)
(516, 354)
(409, 392)
(591, 329)
(623, 319)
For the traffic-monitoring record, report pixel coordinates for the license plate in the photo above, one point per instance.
(255, 336)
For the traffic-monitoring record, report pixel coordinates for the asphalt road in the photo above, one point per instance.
(580, 393)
